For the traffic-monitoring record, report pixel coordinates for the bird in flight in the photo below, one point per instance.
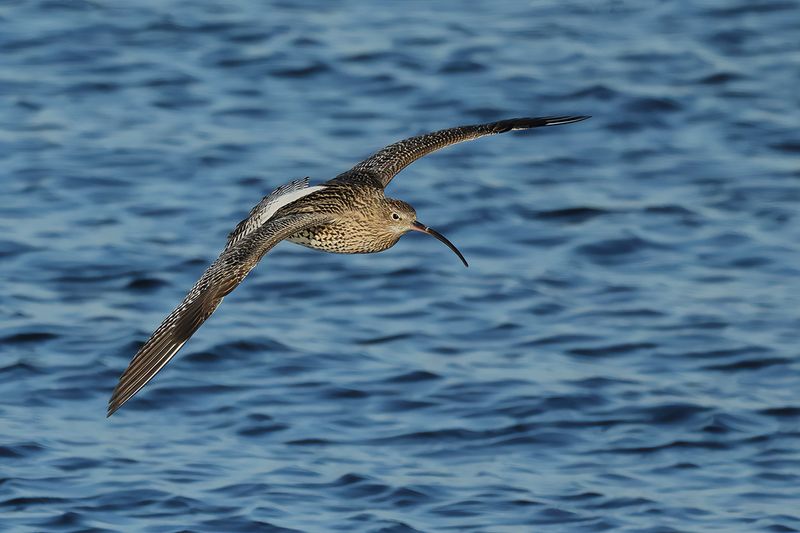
(348, 214)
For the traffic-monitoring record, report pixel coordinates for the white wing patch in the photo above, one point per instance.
(269, 205)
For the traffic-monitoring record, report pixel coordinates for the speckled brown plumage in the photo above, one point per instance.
(348, 214)
(217, 281)
(360, 213)
(385, 164)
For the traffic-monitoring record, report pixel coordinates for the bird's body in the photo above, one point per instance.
(353, 208)
(348, 214)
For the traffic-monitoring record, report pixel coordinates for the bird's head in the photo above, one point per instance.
(400, 218)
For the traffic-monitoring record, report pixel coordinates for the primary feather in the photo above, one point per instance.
(227, 272)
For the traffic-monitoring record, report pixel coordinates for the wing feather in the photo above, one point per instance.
(386, 163)
(224, 275)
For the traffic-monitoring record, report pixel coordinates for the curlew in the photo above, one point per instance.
(348, 214)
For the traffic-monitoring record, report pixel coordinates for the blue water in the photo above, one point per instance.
(621, 355)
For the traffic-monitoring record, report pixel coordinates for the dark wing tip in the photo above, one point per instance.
(567, 119)
(524, 123)
(118, 399)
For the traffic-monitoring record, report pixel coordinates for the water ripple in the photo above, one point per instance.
(620, 356)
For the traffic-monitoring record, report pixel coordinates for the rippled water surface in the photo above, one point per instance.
(621, 355)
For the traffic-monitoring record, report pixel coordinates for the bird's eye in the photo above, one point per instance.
(395, 216)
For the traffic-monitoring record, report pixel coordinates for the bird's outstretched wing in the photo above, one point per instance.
(224, 275)
(385, 164)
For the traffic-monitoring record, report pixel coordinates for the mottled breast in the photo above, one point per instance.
(328, 238)
(344, 237)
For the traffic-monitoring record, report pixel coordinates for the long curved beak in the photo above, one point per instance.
(416, 226)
